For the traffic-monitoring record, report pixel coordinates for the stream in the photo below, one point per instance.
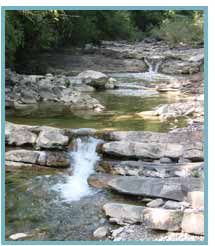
(50, 204)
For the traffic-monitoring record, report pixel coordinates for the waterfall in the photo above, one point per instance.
(153, 66)
(83, 159)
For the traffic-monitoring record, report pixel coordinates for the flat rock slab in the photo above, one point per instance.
(168, 188)
(180, 137)
(163, 219)
(142, 150)
(193, 222)
(44, 158)
(124, 213)
(150, 169)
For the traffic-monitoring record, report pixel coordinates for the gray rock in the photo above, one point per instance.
(124, 213)
(149, 169)
(44, 158)
(142, 150)
(51, 138)
(165, 160)
(21, 155)
(169, 188)
(162, 219)
(18, 135)
(101, 232)
(99, 180)
(181, 136)
(90, 74)
(193, 222)
(54, 159)
(175, 205)
(155, 203)
(196, 199)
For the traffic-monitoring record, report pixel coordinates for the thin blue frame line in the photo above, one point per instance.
(206, 125)
(105, 7)
(3, 123)
(205, 9)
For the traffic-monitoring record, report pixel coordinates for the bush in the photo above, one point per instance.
(180, 30)
(14, 36)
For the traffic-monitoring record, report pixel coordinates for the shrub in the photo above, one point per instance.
(180, 30)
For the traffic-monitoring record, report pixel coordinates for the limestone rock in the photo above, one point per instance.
(162, 219)
(101, 232)
(124, 213)
(21, 155)
(196, 199)
(142, 150)
(155, 203)
(169, 188)
(51, 138)
(193, 222)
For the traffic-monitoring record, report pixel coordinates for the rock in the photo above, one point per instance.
(43, 158)
(100, 181)
(101, 232)
(165, 160)
(196, 199)
(181, 136)
(194, 152)
(18, 236)
(15, 164)
(162, 219)
(175, 205)
(18, 135)
(173, 170)
(168, 188)
(99, 84)
(193, 222)
(142, 150)
(116, 232)
(124, 213)
(168, 111)
(150, 169)
(51, 138)
(81, 132)
(181, 67)
(155, 203)
(21, 155)
(54, 159)
(90, 74)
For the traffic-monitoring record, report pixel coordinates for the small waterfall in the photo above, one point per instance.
(153, 65)
(83, 159)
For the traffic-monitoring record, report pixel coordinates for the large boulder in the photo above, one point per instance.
(52, 138)
(168, 188)
(193, 222)
(163, 219)
(142, 150)
(19, 135)
(92, 75)
(124, 213)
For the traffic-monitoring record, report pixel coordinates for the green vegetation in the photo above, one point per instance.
(181, 29)
(31, 31)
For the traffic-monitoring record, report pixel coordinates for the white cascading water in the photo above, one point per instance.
(83, 160)
(153, 68)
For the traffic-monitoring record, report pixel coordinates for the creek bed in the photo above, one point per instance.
(33, 206)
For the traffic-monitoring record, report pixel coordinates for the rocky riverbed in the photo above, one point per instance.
(116, 135)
